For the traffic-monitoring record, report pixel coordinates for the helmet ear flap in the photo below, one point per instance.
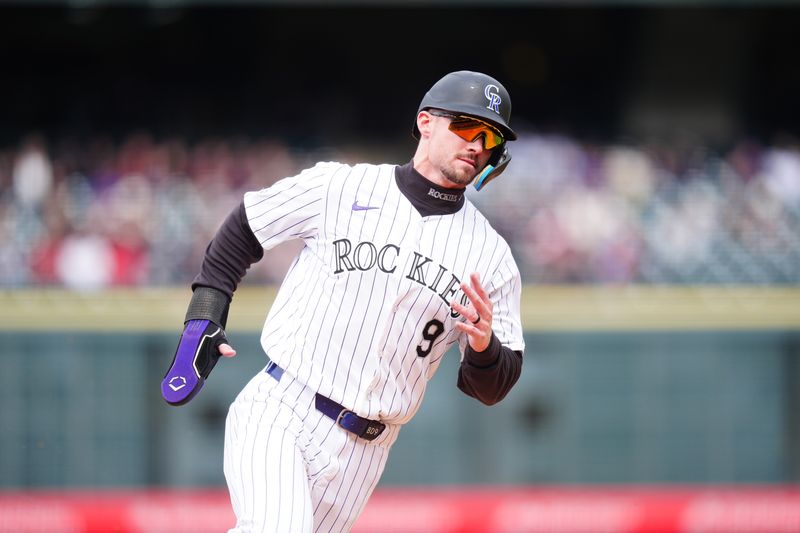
(496, 165)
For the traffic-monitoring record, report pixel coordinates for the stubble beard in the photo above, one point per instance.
(461, 178)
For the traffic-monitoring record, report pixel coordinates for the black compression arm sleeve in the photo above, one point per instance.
(488, 375)
(229, 254)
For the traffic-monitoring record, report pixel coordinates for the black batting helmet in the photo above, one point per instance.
(473, 93)
(470, 93)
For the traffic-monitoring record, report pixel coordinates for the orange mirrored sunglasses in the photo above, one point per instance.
(469, 128)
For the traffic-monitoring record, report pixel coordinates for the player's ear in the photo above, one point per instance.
(424, 123)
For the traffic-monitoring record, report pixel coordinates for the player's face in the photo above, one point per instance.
(457, 159)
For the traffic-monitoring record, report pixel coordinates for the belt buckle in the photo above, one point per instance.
(341, 415)
(372, 430)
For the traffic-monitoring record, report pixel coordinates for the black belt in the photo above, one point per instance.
(363, 427)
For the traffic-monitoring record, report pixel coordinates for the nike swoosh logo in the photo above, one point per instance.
(357, 207)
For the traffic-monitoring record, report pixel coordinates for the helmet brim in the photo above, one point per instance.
(483, 114)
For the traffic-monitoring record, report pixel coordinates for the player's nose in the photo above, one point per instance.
(476, 144)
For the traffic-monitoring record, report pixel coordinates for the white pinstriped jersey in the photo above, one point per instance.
(363, 314)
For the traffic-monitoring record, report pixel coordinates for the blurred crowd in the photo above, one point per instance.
(140, 211)
(651, 213)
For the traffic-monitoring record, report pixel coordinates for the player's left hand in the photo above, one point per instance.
(477, 322)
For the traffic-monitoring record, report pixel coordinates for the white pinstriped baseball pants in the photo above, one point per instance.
(289, 468)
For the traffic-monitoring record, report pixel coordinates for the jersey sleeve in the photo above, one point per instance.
(290, 208)
(489, 376)
(506, 298)
(505, 291)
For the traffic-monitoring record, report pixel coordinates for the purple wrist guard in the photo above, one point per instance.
(195, 357)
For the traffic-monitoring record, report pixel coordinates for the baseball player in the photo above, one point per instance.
(397, 266)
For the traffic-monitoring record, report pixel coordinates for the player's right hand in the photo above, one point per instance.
(200, 346)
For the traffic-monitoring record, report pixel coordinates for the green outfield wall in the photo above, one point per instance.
(544, 308)
(619, 385)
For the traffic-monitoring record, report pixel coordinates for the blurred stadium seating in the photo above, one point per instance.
(140, 212)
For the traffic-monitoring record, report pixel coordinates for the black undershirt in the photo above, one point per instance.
(428, 198)
(486, 376)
